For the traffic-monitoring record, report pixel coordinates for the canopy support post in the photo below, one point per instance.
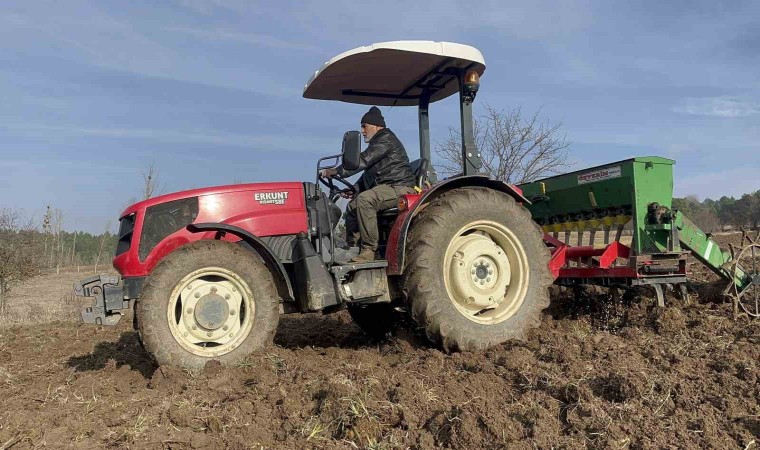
(471, 162)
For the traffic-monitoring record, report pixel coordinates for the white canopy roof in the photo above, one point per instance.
(393, 73)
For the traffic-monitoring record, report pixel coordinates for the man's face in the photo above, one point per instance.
(368, 131)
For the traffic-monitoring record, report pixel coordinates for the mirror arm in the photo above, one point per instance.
(335, 157)
(319, 167)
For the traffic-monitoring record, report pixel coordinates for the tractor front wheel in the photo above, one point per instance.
(209, 300)
(477, 270)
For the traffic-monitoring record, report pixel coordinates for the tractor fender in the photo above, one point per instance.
(254, 243)
(396, 247)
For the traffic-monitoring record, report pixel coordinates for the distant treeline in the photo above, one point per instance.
(724, 214)
(28, 248)
(80, 248)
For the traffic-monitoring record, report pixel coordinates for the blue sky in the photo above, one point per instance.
(210, 91)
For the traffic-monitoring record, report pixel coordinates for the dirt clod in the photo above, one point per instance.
(669, 321)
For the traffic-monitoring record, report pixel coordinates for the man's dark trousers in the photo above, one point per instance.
(361, 213)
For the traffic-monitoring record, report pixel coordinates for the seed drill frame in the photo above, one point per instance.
(633, 194)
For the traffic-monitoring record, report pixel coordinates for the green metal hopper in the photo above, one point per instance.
(634, 194)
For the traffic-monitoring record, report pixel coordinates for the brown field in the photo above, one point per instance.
(594, 375)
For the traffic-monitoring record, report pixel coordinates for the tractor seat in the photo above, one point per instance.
(421, 169)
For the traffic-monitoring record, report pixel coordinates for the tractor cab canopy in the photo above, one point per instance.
(398, 73)
(406, 73)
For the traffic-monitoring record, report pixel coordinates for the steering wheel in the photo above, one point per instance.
(335, 191)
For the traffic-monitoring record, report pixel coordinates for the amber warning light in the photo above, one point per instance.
(403, 203)
(471, 84)
(472, 78)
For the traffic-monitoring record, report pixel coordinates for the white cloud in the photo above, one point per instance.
(730, 182)
(349, 24)
(257, 39)
(208, 7)
(725, 106)
(88, 35)
(261, 142)
(350, 20)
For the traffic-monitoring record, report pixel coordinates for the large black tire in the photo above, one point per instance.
(473, 226)
(376, 320)
(225, 283)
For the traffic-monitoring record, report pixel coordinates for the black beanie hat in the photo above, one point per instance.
(374, 117)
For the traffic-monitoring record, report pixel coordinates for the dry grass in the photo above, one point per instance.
(46, 298)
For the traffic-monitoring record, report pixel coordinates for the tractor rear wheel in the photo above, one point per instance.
(477, 270)
(209, 300)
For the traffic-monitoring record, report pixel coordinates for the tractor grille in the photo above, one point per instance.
(126, 227)
(163, 220)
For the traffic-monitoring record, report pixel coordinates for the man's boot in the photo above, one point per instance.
(366, 255)
(345, 255)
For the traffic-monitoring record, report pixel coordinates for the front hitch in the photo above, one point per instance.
(109, 299)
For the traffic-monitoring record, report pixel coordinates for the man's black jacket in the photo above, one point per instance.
(383, 162)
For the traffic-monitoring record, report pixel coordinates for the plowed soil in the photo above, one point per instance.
(594, 375)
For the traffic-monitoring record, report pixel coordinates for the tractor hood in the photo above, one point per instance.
(214, 190)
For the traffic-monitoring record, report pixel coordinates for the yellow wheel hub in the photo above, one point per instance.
(211, 312)
(486, 272)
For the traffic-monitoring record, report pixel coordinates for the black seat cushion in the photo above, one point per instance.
(421, 168)
(388, 212)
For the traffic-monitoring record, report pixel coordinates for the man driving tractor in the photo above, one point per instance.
(387, 175)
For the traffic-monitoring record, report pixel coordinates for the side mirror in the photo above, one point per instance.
(352, 148)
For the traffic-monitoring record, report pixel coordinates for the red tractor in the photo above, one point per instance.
(209, 271)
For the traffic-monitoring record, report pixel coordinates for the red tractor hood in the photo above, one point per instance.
(213, 190)
(153, 228)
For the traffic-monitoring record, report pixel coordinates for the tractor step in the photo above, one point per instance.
(342, 269)
(344, 256)
(365, 282)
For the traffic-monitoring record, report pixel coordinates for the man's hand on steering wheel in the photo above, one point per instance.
(326, 177)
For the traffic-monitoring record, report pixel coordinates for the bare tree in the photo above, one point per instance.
(56, 247)
(707, 221)
(18, 254)
(47, 227)
(513, 148)
(102, 243)
(151, 182)
(73, 253)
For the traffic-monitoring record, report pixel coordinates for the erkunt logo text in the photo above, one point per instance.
(271, 198)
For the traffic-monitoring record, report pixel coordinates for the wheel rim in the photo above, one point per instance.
(210, 312)
(485, 270)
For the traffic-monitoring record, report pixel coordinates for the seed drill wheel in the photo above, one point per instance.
(745, 259)
(477, 270)
(207, 300)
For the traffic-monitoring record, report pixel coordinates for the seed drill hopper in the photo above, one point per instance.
(614, 225)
